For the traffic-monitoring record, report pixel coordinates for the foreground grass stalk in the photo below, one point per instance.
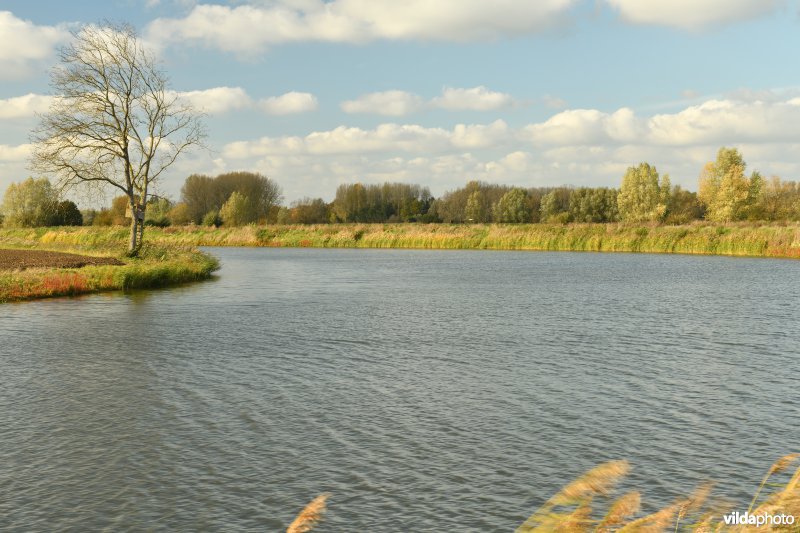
(570, 509)
(310, 516)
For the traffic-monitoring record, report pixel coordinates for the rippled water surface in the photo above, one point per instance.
(426, 390)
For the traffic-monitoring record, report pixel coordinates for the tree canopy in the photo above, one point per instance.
(643, 196)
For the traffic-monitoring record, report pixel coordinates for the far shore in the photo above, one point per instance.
(779, 240)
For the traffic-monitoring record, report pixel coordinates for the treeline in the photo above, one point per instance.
(390, 202)
(725, 193)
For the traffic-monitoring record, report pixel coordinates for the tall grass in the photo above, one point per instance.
(738, 239)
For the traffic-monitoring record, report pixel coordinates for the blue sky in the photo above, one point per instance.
(438, 92)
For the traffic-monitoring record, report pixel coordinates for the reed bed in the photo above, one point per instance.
(738, 239)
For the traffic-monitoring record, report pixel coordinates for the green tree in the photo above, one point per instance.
(593, 205)
(642, 196)
(32, 203)
(513, 207)
(68, 214)
(554, 207)
(238, 210)
(203, 194)
(725, 191)
(158, 212)
(309, 211)
(476, 210)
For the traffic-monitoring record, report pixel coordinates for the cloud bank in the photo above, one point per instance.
(25, 45)
(240, 29)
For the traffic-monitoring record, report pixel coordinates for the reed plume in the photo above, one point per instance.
(778, 466)
(310, 516)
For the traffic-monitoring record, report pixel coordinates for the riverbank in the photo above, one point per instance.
(33, 273)
(740, 239)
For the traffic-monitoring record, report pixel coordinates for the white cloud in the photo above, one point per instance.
(719, 121)
(389, 103)
(24, 106)
(712, 122)
(24, 44)
(474, 99)
(692, 14)
(241, 29)
(480, 136)
(224, 99)
(289, 103)
(217, 100)
(385, 138)
(399, 103)
(554, 102)
(15, 153)
(715, 122)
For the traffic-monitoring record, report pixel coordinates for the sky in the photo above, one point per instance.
(315, 93)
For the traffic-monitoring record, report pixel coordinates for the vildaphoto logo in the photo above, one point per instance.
(762, 519)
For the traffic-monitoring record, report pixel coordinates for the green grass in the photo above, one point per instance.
(739, 239)
(158, 266)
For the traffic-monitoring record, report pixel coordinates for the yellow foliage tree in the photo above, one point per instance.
(724, 189)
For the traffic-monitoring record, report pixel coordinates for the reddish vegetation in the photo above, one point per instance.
(22, 259)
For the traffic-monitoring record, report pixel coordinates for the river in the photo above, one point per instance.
(425, 390)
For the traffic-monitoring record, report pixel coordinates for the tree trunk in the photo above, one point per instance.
(134, 243)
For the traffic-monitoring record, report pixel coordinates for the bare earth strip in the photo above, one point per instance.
(22, 259)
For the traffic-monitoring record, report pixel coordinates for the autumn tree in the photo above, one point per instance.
(239, 210)
(114, 123)
(725, 191)
(643, 196)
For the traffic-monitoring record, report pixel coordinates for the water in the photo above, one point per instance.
(426, 390)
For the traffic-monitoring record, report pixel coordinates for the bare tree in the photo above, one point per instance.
(113, 122)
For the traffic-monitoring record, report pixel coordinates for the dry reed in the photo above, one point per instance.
(310, 516)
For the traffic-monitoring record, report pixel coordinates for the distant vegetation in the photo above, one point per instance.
(725, 194)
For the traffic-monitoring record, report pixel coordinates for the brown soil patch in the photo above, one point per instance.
(22, 259)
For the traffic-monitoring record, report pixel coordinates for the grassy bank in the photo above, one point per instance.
(741, 239)
(158, 266)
